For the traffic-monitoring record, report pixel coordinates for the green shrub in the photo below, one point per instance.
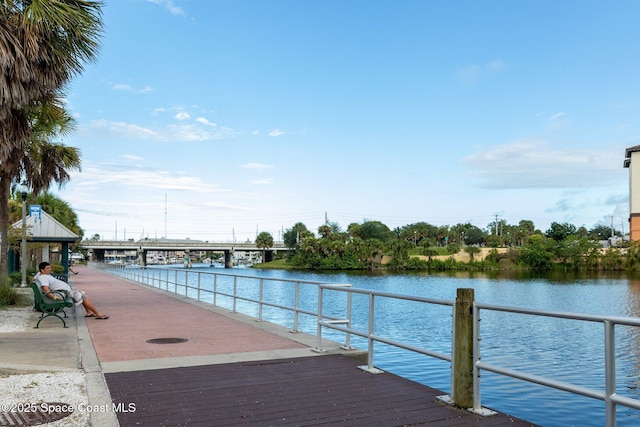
(10, 296)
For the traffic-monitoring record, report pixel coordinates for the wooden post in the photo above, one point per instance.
(463, 349)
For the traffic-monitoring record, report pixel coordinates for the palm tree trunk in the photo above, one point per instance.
(5, 189)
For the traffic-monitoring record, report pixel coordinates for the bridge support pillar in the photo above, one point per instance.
(228, 259)
(142, 257)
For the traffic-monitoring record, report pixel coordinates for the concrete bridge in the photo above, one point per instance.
(98, 249)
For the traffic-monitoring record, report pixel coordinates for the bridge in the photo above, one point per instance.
(97, 249)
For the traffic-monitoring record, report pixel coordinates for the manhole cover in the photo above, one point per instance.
(167, 340)
(33, 414)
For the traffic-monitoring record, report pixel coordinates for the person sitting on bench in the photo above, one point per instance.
(49, 283)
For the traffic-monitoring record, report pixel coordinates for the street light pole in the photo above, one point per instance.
(23, 261)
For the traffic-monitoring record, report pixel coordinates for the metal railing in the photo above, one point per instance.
(189, 283)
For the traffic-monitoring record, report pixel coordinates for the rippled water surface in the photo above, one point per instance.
(561, 349)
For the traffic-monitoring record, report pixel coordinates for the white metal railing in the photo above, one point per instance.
(189, 283)
(609, 395)
(170, 280)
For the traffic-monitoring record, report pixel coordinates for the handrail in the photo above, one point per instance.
(344, 324)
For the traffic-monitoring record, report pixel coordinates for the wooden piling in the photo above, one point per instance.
(463, 349)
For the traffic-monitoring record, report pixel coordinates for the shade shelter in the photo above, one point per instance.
(45, 229)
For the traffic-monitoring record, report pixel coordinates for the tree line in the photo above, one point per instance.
(420, 246)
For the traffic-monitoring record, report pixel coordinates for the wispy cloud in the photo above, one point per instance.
(128, 88)
(182, 116)
(536, 164)
(132, 157)
(205, 122)
(471, 74)
(139, 177)
(276, 132)
(170, 133)
(169, 5)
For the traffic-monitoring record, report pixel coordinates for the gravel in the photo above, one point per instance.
(22, 387)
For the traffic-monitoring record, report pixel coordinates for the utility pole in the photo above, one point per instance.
(612, 230)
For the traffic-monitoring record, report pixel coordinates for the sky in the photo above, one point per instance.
(217, 120)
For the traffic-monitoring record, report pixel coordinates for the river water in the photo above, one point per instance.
(564, 350)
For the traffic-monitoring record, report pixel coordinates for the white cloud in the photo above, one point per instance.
(141, 178)
(182, 116)
(536, 164)
(132, 157)
(129, 88)
(171, 133)
(169, 5)
(276, 132)
(125, 129)
(122, 87)
(205, 122)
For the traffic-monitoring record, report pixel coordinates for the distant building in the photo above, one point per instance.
(632, 161)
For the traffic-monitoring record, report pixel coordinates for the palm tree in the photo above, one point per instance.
(39, 161)
(43, 44)
(264, 241)
(60, 210)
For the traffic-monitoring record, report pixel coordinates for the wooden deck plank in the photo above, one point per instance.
(308, 391)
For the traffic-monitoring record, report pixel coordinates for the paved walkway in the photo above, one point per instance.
(119, 350)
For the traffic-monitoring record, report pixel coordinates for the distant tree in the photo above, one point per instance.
(474, 236)
(453, 249)
(472, 251)
(536, 254)
(324, 231)
(264, 241)
(560, 232)
(524, 230)
(375, 230)
(600, 232)
(294, 235)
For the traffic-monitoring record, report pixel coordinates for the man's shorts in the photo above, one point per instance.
(77, 296)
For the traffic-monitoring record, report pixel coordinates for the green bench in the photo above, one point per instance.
(48, 306)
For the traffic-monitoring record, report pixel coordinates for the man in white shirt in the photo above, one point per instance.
(49, 283)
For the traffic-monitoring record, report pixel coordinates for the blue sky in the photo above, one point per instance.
(216, 120)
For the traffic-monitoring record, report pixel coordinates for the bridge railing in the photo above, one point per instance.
(333, 313)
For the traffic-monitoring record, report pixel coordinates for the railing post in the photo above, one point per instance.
(296, 302)
(319, 348)
(462, 388)
(235, 292)
(261, 299)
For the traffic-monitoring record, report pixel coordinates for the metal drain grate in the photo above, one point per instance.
(167, 340)
(36, 414)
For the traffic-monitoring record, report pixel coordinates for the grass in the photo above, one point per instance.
(279, 264)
